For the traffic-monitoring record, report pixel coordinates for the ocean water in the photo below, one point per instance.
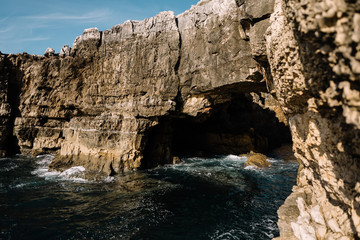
(201, 198)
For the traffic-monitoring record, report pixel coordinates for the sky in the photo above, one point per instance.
(33, 25)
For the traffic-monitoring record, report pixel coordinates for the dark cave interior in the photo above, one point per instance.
(235, 127)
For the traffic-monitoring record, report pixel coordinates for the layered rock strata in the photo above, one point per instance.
(313, 50)
(115, 101)
(120, 99)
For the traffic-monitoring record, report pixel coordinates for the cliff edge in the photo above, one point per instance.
(314, 52)
(105, 102)
(226, 76)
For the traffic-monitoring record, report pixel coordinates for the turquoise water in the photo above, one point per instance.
(201, 198)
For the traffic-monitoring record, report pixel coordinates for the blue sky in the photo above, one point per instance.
(33, 25)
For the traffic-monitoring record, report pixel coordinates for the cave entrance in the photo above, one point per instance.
(237, 126)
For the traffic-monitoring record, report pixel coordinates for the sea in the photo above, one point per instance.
(200, 198)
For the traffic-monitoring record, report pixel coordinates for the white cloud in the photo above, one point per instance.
(4, 19)
(18, 30)
(53, 28)
(33, 39)
(5, 30)
(87, 17)
(22, 39)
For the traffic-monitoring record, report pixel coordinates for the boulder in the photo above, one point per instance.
(176, 160)
(256, 159)
(65, 51)
(49, 52)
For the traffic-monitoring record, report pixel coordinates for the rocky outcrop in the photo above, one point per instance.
(5, 110)
(65, 51)
(256, 159)
(210, 40)
(128, 97)
(49, 52)
(205, 82)
(313, 50)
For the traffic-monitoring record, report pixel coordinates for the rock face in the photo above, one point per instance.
(313, 50)
(145, 91)
(49, 52)
(65, 51)
(5, 110)
(205, 82)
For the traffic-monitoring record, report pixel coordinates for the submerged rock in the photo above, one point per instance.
(176, 160)
(256, 159)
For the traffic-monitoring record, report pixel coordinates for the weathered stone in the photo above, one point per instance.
(257, 39)
(49, 52)
(206, 52)
(316, 215)
(122, 95)
(256, 159)
(196, 105)
(98, 101)
(176, 160)
(257, 9)
(65, 51)
(310, 46)
(90, 34)
(5, 109)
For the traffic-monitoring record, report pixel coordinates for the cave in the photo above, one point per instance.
(237, 126)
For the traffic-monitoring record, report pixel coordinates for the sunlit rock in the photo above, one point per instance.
(49, 52)
(65, 51)
(257, 160)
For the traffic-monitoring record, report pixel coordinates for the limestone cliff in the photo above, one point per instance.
(5, 110)
(313, 50)
(130, 96)
(205, 82)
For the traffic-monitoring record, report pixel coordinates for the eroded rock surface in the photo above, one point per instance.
(120, 94)
(313, 50)
(118, 100)
(257, 160)
(5, 109)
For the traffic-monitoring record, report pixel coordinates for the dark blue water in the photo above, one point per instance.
(213, 198)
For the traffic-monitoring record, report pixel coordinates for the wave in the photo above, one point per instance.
(76, 174)
(12, 167)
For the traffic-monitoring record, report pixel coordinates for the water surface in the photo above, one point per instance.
(201, 198)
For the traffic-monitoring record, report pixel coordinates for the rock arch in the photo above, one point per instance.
(240, 124)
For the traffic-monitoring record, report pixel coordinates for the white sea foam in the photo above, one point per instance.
(74, 174)
(268, 224)
(21, 185)
(109, 179)
(44, 160)
(8, 169)
(73, 171)
(230, 234)
(253, 168)
(272, 160)
(43, 167)
(235, 158)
